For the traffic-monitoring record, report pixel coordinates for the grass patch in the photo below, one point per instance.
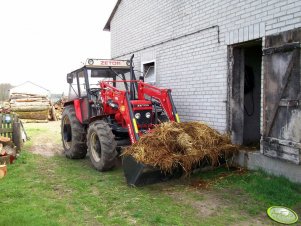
(58, 191)
(255, 191)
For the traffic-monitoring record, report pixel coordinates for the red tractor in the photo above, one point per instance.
(104, 113)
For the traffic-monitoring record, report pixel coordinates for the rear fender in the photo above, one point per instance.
(78, 111)
(76, 104)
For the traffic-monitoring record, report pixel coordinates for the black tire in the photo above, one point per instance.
(73, 135)
(101, 145)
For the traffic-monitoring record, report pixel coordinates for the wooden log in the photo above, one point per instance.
(32, 99)
(13, 107)
(21, 104)
(6, 105)
(5, 160)
(10, 149)
(34, 121)
(28, 102)
(30, 108)
(38, 103)
(53, 112)
(36, 115)
(4, 140)
(18, 95)
(3, 170)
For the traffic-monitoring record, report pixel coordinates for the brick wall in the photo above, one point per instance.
(194, 64)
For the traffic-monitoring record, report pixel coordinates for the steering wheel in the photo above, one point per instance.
(94, 91)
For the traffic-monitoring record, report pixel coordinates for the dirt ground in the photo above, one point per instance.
(47, 142)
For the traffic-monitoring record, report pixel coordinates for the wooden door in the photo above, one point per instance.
(282, 97)
(236, 93)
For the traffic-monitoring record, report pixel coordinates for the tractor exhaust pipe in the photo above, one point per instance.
(133, 85)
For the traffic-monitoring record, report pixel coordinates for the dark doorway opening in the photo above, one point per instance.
(252, 95)
(245, 92)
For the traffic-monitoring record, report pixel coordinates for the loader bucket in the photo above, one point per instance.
(138, 174)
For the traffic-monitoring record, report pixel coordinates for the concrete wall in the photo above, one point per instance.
(256, 161)
(194, 65)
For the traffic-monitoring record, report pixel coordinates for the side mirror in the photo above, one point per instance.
(70, 78)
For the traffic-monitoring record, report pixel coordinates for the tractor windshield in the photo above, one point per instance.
(95, 80)
(90, 78)
(95, 76)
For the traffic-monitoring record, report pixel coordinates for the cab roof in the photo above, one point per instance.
(116, 65)
(102, 63)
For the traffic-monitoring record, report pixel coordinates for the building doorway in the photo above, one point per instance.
(245, 93)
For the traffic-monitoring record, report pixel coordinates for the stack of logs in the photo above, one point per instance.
(30, 107)
(33, 107)
(7, 154)
(57, 109)
(5, 107)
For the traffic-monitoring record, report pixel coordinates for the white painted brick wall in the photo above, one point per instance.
(195, 67)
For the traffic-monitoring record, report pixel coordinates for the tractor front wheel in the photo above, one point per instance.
(101, 145)
(73, 135)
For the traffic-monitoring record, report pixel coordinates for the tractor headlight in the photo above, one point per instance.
(147, 114)
(91, 61)
(137, 115)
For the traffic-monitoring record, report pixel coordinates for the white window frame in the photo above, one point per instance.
(155, 70)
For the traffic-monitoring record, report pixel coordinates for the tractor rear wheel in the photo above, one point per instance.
(73, 135)
(101, 145)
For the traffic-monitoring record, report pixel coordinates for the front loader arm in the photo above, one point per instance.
(161, 95)
(122, 99)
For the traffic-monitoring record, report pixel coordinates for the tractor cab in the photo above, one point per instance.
(86, 80)
(85, 85)
(94, 90)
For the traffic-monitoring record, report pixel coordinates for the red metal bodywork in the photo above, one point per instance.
(123, 115)
(78, 111)
(161, 95)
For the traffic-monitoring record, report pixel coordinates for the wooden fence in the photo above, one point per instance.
(10, 126)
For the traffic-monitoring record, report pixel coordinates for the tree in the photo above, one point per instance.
(4, 91)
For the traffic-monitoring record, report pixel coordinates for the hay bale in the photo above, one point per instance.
(186, 144)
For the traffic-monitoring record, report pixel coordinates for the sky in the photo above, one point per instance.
(42, 40)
